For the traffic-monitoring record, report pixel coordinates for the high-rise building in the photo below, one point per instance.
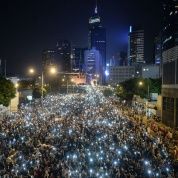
(136, 46)
(78, 59)
(48, 58)
(93, 64)
(122, 57)
(97, 39)
(158, 49)
(63, 55)
(170, 64)
(114, 61)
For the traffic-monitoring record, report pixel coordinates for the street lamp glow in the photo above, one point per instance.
(31, 71)
(16, 85)
(53, 70)
(140, 83)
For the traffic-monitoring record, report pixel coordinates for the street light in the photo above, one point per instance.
(16, 85)
(72, 80)
(52, 70)
(148, 92)
(148, 88)
(140, 83)
(31, 71)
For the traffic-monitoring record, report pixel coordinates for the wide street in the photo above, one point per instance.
(79, 136)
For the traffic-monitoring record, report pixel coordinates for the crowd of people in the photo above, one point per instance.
(79, 136)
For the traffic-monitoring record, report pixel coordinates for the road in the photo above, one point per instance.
(79, 136)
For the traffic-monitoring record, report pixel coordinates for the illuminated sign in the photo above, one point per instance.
(130, 29)
(95, 20)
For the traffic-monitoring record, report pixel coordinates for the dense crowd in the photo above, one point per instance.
(79, 136)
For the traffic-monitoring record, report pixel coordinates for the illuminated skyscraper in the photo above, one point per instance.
(93, 64)
(136, 46)
(158, 49)
(97, 39)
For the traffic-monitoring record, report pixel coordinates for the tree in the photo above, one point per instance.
(7, 91)
(127, 89)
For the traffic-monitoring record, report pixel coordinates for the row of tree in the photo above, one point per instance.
(138, 86)
(7, 91)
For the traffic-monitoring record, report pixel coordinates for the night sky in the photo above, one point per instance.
(29, 26)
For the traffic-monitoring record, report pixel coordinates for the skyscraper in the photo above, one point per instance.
(158, 49)
(97, 39)
(170, 64)
(48, 58)
(93, 64)
(78, 59)
(136, 46)
(63, 55)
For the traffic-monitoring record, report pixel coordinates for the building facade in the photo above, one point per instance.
(158, 50)
(63, 56)
(136, 46)
(120, 74)
(93, 65)
(78, 59)
(170, 64)
(151, 71)
(97, 39)
(48, 58)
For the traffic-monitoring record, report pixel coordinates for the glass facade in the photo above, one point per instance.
(97, 40)
(170, 28)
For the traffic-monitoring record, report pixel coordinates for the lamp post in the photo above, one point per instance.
(148, 93)
(52, 70)
(67, 84)
(72, 80)
(148, 88)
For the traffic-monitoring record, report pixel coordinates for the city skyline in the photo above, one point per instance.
(89, 89)
(24, 37)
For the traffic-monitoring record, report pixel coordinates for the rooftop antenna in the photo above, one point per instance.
(96, 7)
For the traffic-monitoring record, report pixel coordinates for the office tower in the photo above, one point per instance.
(97, 39)
(158, 49)
(93, 65)
(136, 46)
(122, 58)
(63, 55)
(78, 59)
(48, 58)
(170, 64)
(114, 61)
